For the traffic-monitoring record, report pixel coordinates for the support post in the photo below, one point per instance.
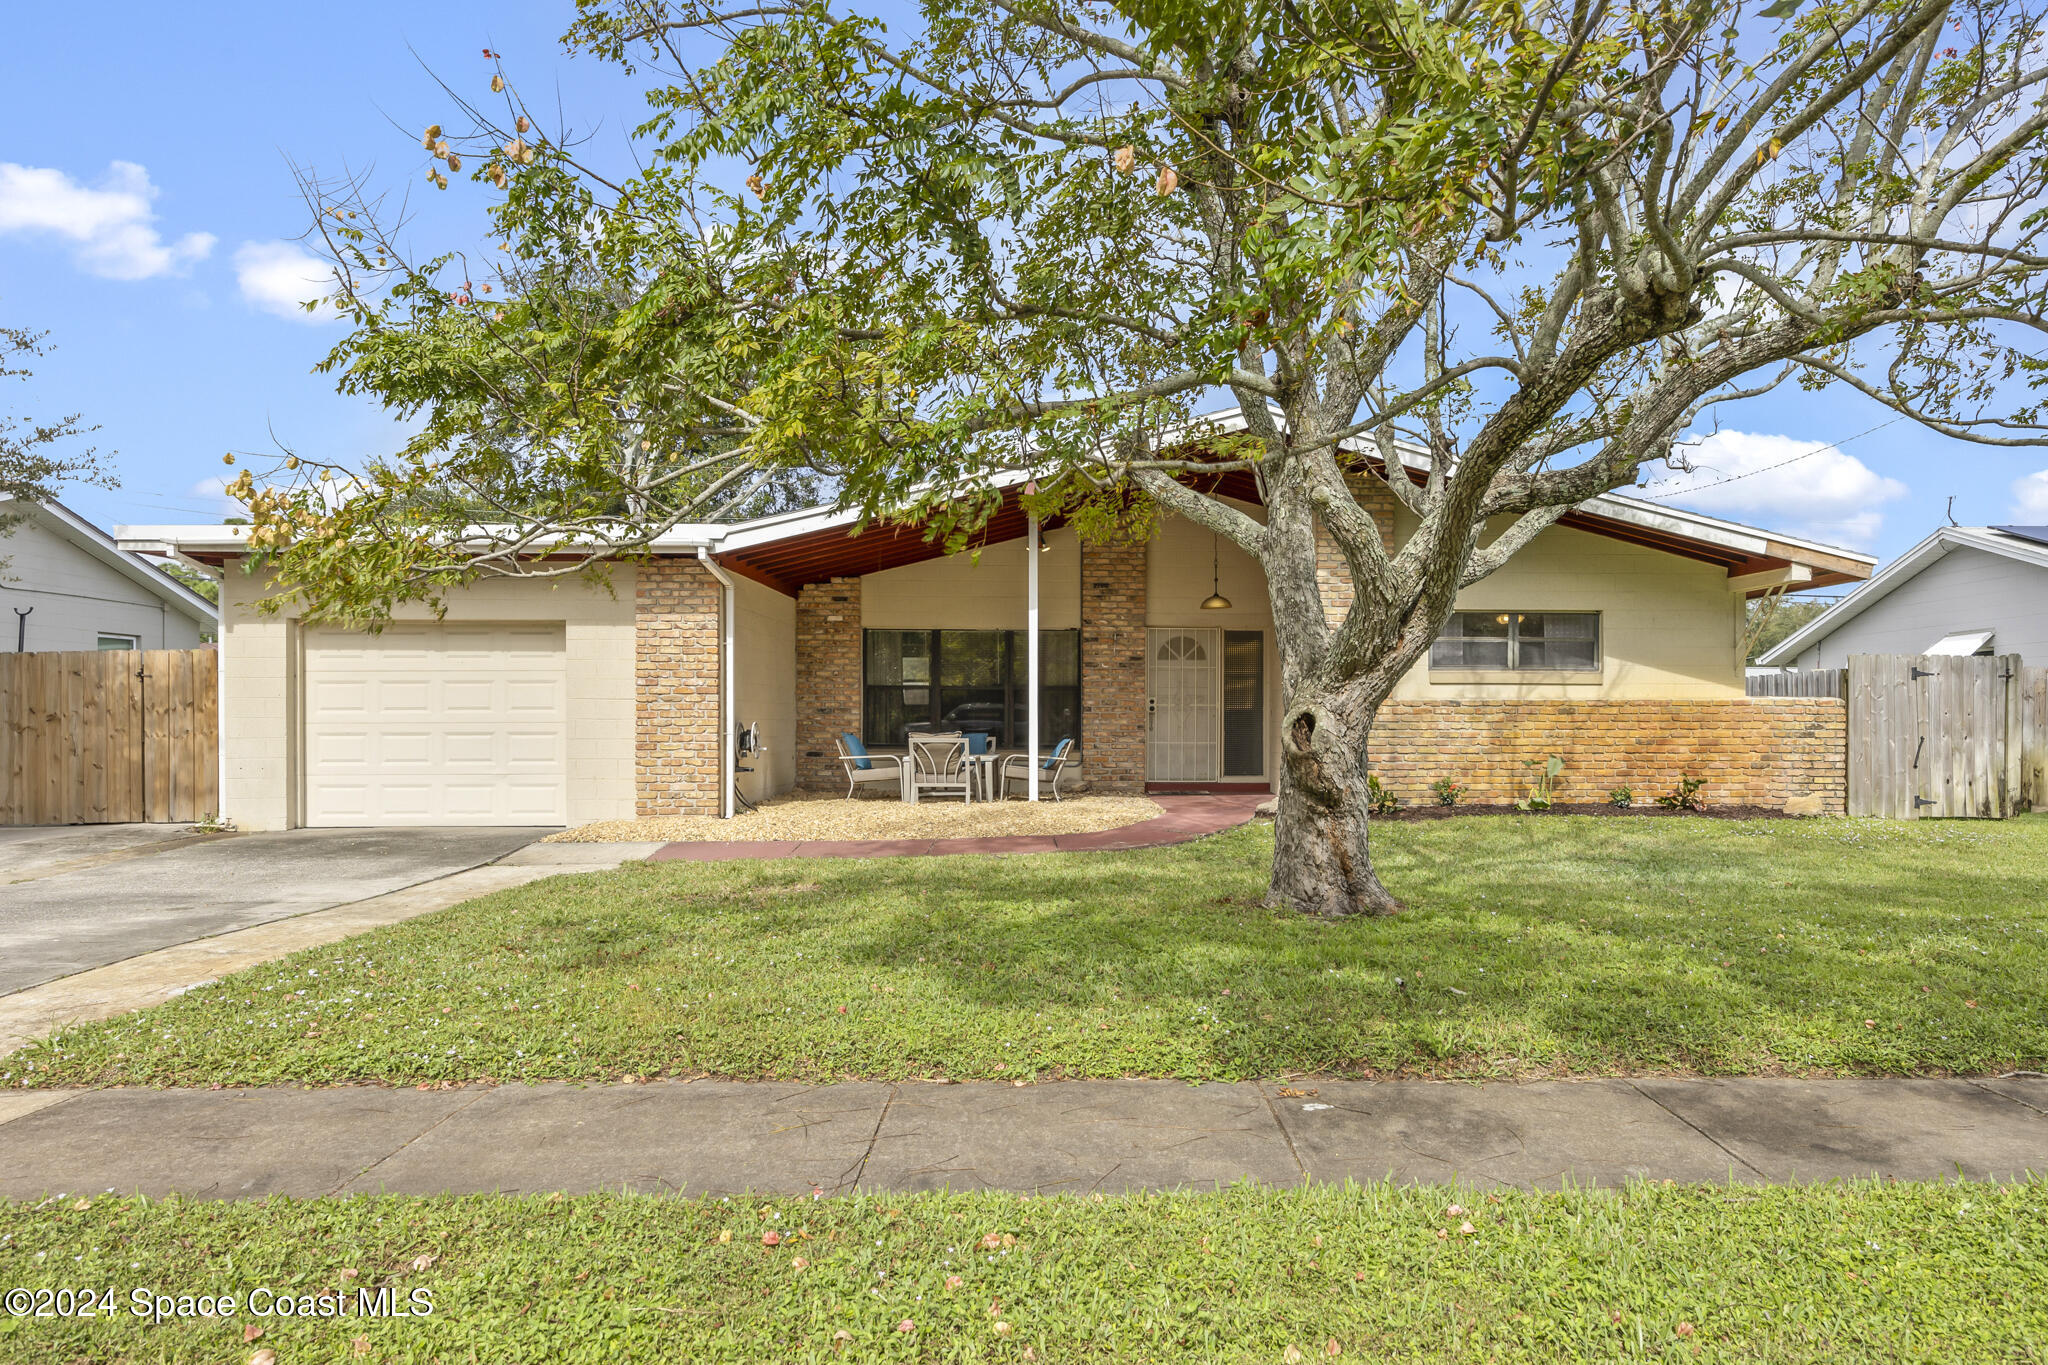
(1031, 650)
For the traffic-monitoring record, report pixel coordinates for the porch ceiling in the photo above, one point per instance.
(842, 552)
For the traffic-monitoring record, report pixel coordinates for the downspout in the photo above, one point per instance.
(726, 735)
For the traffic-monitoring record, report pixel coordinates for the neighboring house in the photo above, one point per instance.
(66, 585)
(1963, 590)
(1613, 638)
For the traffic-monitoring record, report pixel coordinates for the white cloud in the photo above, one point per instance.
(111, 227)
(2030, 498)
(1801, 487)
(279, 277)
(213, 494)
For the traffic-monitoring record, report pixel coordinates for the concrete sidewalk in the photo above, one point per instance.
(721, 1137)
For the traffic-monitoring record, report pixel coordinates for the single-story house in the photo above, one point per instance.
(1962, 590)
(67, 585)
(1614, 638)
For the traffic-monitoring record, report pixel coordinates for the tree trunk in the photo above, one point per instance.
(1322, 864)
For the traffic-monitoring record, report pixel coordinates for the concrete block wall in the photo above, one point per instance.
(1751, 751)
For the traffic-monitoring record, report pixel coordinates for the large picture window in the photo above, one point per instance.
(1549, 641)
(972, 681)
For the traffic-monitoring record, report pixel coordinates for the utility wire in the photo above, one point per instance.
(1765, 469)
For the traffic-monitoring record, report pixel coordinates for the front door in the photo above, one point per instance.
(1184, 733)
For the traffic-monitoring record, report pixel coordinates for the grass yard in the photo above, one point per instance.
(1538, 945)
(1903, 1272)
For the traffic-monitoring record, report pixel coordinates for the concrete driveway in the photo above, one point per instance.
(102, 897)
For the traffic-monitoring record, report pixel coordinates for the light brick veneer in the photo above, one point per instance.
(1758, 751)
(675, 689)
(828, 677)
(1333, 574)
(1113, 680)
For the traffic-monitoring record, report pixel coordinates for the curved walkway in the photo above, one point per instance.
(1185, 817)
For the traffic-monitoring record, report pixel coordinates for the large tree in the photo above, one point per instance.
(1534, 242)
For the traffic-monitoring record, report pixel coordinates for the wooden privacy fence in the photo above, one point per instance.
(109, 737)
(1809, 682)
(1946, 736)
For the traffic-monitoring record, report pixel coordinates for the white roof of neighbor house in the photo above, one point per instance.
(1997, 540)
(60, 520)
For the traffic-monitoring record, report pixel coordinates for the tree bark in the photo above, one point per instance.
(1322, 859)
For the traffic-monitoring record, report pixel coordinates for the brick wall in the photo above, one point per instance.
(1333, 573)
(1751, 751)
(828, 677)
(1113, 667)
(675, 689)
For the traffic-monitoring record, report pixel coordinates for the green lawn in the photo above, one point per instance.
(1923, 1272)
(1535, 945)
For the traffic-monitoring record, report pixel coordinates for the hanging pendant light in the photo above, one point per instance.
(1216, 600)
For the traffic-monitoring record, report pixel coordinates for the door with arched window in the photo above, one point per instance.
(1183, 742)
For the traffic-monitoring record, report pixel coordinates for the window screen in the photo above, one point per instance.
(972, 681)
(1566, 641)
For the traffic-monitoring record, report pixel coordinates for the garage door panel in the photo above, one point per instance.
(436, 724)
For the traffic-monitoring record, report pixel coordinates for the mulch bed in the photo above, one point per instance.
(1434, 812)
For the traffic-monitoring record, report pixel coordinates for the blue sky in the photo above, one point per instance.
(146, 161)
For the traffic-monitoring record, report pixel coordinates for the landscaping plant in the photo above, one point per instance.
(1685, 796)
(1379, 797)
(1542, 783)
(1623, 797)
(1447, 790)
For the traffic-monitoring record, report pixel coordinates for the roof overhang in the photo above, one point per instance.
(1989, 539)
(787, 551)
(215, 545)
(60, 520)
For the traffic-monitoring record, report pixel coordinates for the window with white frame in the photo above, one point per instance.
(1519, 641)
(111, 641)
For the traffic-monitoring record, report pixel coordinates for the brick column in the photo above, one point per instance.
(675, 689)
(1333, 574)
(1113, 667)
(828, 677)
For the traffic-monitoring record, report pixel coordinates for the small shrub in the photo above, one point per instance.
(1447, 791)
(1543, 785)
(1379, 798)
(1623, 797)
(1685, 796)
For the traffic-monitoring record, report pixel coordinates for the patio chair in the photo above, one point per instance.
(864, 768)
(939, 767)
(1017, 768)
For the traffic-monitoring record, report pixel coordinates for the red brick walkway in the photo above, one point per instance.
(1186, 817)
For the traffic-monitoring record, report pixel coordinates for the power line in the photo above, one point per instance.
(1780, 464)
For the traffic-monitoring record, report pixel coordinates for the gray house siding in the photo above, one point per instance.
(1965, 589)
(75, 599)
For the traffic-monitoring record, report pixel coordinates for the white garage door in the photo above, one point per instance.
(436, 725)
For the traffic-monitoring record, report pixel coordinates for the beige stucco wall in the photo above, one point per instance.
(261, 658)
(764, 684)
(966, 592)
(1669, 626)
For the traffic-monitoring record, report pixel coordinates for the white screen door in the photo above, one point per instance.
(1184, 739)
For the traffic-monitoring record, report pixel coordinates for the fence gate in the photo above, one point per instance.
(1934, 735)
(109, 736)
